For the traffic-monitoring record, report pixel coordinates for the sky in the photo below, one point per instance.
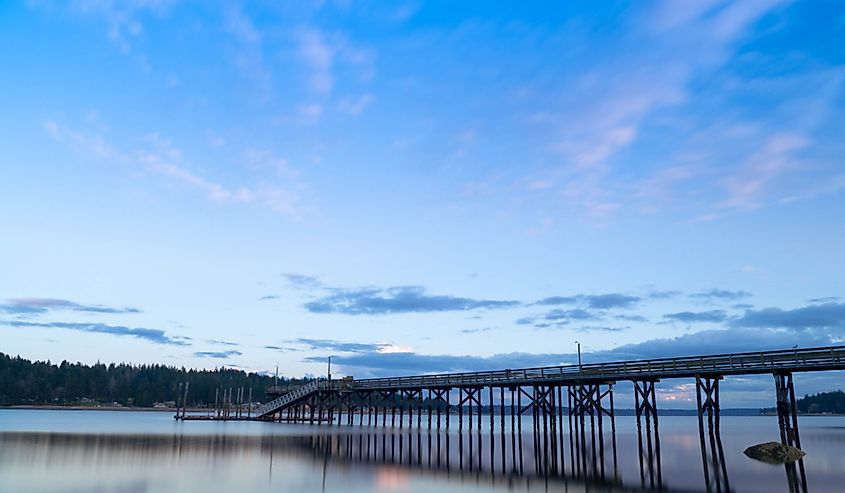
(418, 187)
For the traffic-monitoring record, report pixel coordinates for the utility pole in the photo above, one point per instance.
(330, 368)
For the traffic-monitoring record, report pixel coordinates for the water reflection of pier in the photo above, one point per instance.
(440, 453)
(516, 432)
(538, 431)
(500, 454)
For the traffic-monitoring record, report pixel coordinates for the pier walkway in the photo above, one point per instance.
(720, 365)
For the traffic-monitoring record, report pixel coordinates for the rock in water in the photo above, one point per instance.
(774, 453)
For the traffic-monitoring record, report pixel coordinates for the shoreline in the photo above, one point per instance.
(27, 407)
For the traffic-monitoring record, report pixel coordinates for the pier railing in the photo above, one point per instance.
(289, 398)
(792, 360)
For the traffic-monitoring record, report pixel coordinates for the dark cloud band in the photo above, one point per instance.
(403, 299)
(713, 316)
(595, 301)
(157, 336)
(217, 354)
(37, 306)
(823, 316)
(720, 295)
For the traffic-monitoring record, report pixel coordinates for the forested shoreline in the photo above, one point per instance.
(824, 402)
(821, 403)
(25, 382)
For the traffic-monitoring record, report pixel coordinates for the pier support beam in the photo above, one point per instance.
(545, 426)
(588, 454)
(469, 397)
(787, 410)
(707, 397)
(646, 411)
(533, 407)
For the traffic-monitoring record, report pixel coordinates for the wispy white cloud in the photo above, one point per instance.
(319, 57)
(656, 189)
(399, 11)
(603, 110)
(160, 156)
(310, 113)
(265, 160)
(322, 52)
(80, 141)
(747, 185)
(122, 17)
(355, 105)
(249, 55)
(241, 26)
(831, 184)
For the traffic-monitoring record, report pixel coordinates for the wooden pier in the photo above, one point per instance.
(572, 407)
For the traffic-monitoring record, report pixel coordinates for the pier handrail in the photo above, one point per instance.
(810, 359)
(289, 398)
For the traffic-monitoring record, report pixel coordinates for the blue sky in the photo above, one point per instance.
(419, 186)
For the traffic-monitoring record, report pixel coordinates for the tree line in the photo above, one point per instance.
(25, 382)
(824, 402)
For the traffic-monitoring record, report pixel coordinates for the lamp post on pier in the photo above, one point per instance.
(580, 367)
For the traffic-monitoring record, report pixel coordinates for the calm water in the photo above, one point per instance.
(148, 452)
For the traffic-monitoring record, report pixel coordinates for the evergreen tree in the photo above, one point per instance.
(25, 382)
(824, 402)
